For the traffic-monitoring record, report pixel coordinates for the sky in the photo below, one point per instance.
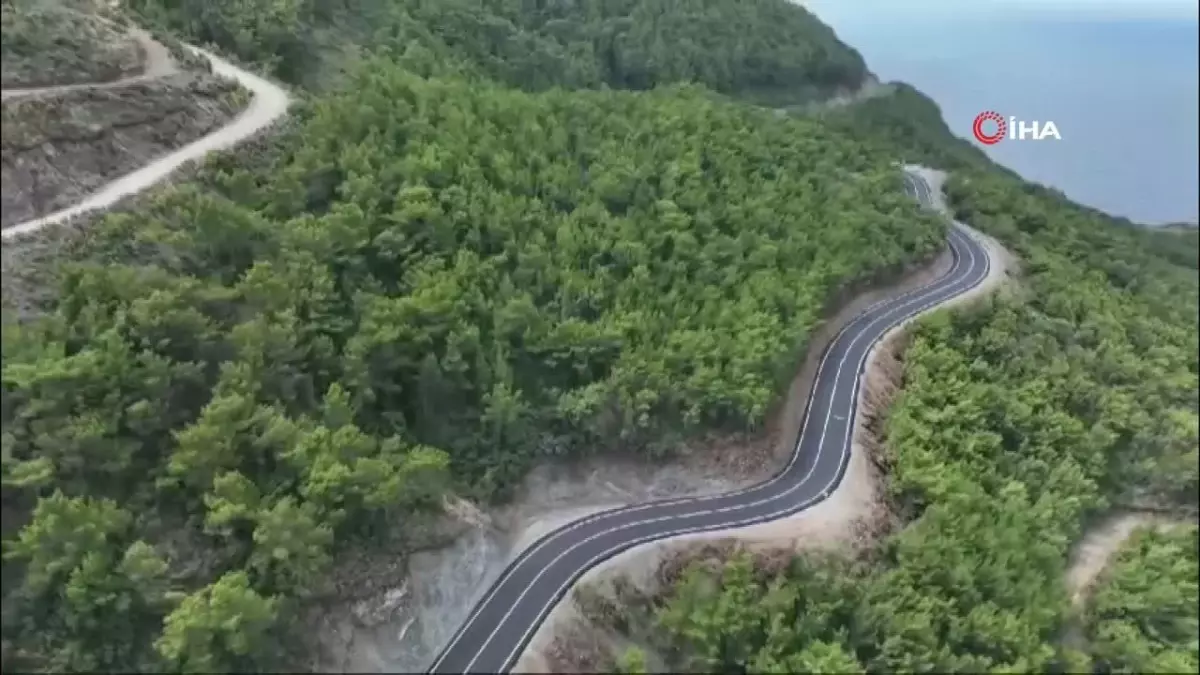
(1117, 77)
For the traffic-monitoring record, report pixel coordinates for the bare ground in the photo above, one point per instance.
(47, 43)
(1100, 543)
(268, 105)
(58, 148)
(155, 61)
(1096, 550)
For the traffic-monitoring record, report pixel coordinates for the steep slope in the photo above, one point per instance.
(45, 43)
(1018, 426)
(66, 135)
(250, 382)
(58, 149)
(770, 50)
(426, 264)
(1142, 614)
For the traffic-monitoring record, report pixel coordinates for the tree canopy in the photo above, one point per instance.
(1018, 420)
(432, 284)
(1142, 618)
(769, 50)
(524, 229)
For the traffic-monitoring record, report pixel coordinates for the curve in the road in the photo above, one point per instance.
(156, 59)
(270, 102)
(504, 620)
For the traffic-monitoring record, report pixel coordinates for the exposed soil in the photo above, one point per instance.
(1096, 551)
(1100, 543)
(30, 262)
(154, 61)
(59, 148)
(268, 105)
(870, 88)
(44, 43)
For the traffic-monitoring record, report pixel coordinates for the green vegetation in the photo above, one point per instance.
(768, 50)
(428, 285)
(479, 252)
(1143, 616)
(44, 43)
(909, 126)
(1018, 420)
(1179, 244)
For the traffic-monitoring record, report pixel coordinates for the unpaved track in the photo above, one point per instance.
(1098, 546)
(269, 104)
(157, 63)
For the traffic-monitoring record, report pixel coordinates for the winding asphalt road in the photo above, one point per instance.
(503, 622)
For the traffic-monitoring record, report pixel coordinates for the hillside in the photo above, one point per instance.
(1019, 424)
(87, 99)
(426, 285)
(46, 44)
(499, 233)
(768, 50)
(58, 150)
(1143, 616)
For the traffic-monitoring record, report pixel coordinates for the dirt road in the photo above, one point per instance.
(269, 104)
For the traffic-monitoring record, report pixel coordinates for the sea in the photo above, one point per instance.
(1117, 77)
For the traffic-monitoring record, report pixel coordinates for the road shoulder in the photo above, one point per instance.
(853, 516)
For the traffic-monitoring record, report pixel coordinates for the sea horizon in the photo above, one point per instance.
(1117, 77)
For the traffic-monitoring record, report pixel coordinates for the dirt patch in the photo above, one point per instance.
(1093, 553)
(371, 603)
(45, 44)
(1100, 543)
(157, 61)
(268, 105)
(58, 149)
(30, 261)
(870, 88)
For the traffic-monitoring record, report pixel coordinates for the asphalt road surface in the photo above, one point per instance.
(505, 619)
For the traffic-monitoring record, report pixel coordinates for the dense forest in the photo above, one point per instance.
(1143, 616)
(1018, 422)
(769, 50)
(435, 283)
(523, 229)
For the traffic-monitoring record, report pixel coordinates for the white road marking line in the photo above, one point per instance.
(532, 584)
(529, 552)
(556, 596)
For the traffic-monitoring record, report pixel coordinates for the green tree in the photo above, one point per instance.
(632, 660)
(291, 546)
(224, 627)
